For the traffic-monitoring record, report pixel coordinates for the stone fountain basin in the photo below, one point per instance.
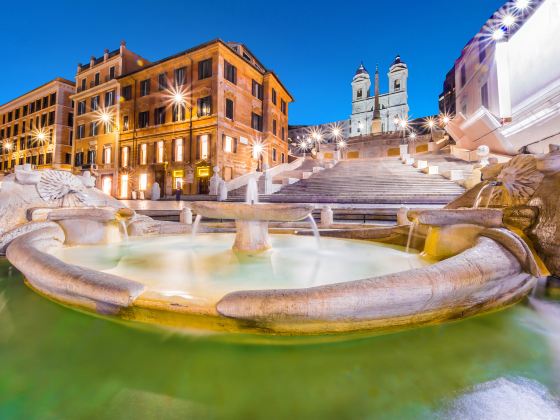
(489, 275)
(265, 212)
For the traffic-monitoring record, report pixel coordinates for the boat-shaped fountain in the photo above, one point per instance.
(465, 260)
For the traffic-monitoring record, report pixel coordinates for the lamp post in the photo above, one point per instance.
(412, 139)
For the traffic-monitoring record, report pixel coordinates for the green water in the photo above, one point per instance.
(56, 363)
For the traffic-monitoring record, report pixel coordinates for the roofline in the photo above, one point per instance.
(204, 45)
(508, 5)
(57, 79)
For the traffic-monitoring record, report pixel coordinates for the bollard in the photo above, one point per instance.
(186, 216)
(326, 216)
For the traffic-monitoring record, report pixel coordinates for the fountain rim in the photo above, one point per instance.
(258, 212)
(345, 307)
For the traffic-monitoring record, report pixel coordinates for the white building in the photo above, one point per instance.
(508, 81)
(393, 104)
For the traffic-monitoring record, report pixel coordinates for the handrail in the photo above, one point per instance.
(242, 180)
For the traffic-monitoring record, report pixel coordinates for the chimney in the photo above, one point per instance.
(91, 61)
(123, 46)
(79, 67)
(105, 54)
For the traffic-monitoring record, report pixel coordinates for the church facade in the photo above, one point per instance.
(372, 114)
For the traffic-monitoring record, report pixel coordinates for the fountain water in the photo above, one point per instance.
(194, 230)
(315, 230)
(122, 224)
(413, 226)
(252, 193)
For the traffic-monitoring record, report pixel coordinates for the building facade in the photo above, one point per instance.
(96, 110)
(372, 114)
(447, 99)
(212, 106)
(508, 81)
(36, 128)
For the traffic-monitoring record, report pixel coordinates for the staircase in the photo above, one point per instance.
(367, 181)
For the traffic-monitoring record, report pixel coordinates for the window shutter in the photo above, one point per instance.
(235, 145)
(197, 148)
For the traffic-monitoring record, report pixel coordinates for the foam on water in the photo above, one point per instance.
(505, 399)
(205, 267)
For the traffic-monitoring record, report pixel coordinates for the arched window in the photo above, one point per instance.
(397, 85)
(359, 93)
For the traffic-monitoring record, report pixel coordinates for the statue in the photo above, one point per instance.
(222, 191)
(156, 192)
(215, 181)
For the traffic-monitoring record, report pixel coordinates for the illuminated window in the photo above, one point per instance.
(228, 144)
(178, 150)
(143, 154)
(159, 151)
(125, 153)
(124, 185)
(143, 182)
(204, 146)
(107, 184)
(107, 155)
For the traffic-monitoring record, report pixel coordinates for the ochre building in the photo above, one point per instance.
(36, 128)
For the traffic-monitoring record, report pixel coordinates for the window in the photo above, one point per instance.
(274, 99)
(178, 113)
(91, 157)
(93, 131)
(107, 155)
(83, 82)
(125, 123)
(359, 93)
(283, 158)
(67, 158)
(205, 106)
(110, 98)
(124, 186)
(145, 87)
(125, 156)
(162, 81)
(229, 109)
(81, 107)
(127, 92)
(179, 76)
(144, 119)
(204, 69)
(178, 150)
(111, 73)
(24, 110)
(230, 72)
(484, 95)
(274, 154)
(203, 147)
(274, 127)
(97, 79)
(143, 154)
(397, 85)
(283, 107)
(160, 148)
(51, 118)
(52, 99)
(283, 136)
(257, 90)
(256, 121)
(463, 76)
(143, 182)
(45, 102)
(43, 120)
(160, 116)
(95, 103)
(228, 144)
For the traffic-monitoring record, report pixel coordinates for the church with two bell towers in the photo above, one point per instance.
(374, 114)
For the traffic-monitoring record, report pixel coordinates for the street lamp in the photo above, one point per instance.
(258, 152)
(430, 124)
(403, 124)
(412, 138)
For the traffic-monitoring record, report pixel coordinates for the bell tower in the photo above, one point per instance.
(361, 84)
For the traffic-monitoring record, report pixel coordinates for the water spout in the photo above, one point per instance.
(413, 226)
(252, 193)
(315, 229)
(194, 230)
(124, 229)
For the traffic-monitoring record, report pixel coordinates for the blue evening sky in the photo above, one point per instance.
(314, 46)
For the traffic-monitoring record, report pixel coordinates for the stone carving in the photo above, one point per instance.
(215, 181)
(26, 175)
(87, 179)
(55, 185)
(521, 178)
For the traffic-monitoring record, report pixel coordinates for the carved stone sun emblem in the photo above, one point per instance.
(55, 185)
(520, 178)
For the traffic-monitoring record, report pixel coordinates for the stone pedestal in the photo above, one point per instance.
(186, 216)
(251, 236)
(327, 217)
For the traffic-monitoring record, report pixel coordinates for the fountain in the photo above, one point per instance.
(473, 259)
